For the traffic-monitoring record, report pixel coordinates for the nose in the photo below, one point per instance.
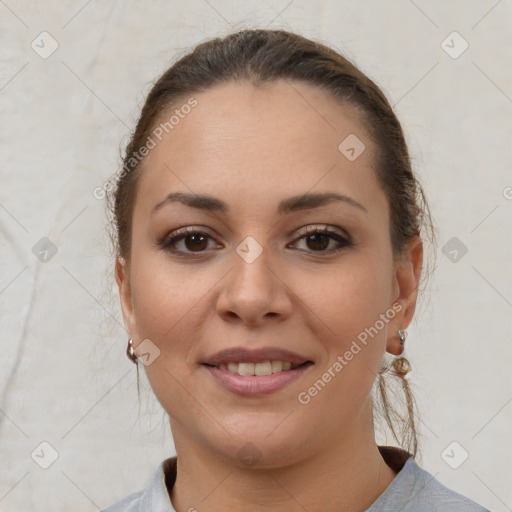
(254, 293)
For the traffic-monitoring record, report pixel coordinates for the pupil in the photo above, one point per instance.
(195, 245)
(319, 236)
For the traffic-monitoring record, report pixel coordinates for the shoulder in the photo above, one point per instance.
(432, 495)
(416, 490)
(155, 496)
(129, 504)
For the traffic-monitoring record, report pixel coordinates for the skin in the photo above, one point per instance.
(253, 147)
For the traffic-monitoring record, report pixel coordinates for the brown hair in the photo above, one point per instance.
(263, 56)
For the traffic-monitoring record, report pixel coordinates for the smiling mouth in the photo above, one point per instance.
(259, 369)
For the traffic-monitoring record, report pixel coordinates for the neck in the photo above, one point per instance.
(348, 475)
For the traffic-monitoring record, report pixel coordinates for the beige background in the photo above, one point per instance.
(64, 378)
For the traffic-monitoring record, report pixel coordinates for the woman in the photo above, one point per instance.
(268, 230)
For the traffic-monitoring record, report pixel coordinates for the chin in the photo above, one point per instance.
(260, 447)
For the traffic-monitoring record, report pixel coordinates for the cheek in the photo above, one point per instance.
(172, 304)
(349, 303)
(347, 297)
(166, 305)
(164, 294)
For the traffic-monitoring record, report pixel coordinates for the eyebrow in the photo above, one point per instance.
(291, 204)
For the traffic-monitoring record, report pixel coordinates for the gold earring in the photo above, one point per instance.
(401, 364)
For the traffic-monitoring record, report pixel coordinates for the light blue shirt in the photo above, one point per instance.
(412, 490)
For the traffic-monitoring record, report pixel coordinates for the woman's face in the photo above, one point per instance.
(257, 277)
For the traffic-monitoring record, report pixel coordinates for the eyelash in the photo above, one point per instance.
(168, 243)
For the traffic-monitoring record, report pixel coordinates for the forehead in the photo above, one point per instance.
(277, 139)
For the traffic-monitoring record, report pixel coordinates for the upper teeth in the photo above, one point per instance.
(266, 368)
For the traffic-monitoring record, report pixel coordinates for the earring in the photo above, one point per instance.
(401, 364)
(402, 336)
(130, 352)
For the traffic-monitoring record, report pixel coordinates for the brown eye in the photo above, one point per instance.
(195, 242)
(186, 242)
(318, 240)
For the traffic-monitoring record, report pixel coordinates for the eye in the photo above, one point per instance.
(318, 239)
(194, 241)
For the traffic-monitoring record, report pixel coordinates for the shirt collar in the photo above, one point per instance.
(156, 497)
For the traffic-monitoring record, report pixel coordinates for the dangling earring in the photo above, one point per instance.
(401, 364)
(130, 352)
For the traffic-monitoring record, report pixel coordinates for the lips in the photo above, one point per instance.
(255, 373)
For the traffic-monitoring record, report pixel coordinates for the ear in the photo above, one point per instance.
(125, 294)
(405, 291)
